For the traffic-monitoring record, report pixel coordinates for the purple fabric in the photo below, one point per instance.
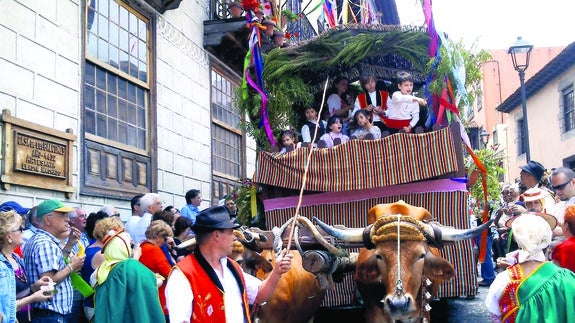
(441, 185)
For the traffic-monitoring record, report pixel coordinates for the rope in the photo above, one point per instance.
(306, 168)
(398, 283)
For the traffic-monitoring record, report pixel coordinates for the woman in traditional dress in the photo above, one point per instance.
(126, 290)
(533, 290)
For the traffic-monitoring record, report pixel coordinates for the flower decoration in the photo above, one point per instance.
(250, 4)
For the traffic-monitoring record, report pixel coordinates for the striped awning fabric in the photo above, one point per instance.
(449, 208)
(362, 164)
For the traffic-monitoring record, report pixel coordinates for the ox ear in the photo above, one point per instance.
(437, 268)
(255, 262)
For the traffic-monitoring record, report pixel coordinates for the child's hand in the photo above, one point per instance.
(421, 101)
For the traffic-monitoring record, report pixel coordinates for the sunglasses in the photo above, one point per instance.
(562, 186)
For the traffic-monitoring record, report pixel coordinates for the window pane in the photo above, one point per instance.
(101, 128)
(132, 136)
(103, 50)
(113, 129)
(103, 27)
(112, 83)
(112, 106)
(114, 11)
(89, 122)
(100, 101)
(122, 110)
(141, 118)
(89, 97)
(92, 44)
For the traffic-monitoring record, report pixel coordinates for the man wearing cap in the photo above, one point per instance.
(531, 176)
(208, 286)
(43, 256)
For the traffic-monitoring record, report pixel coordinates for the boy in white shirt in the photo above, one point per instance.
(402, 113)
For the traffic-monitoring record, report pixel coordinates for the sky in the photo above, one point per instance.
(496, 24)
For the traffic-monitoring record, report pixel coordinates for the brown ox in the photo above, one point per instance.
(297, 296)
(396, 286)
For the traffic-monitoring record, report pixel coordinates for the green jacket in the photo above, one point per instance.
(129, 294)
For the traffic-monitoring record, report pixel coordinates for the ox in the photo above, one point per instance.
(397, 282)
(297, 296)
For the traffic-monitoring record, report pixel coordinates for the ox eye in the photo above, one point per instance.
(378, 257)
(422, 256)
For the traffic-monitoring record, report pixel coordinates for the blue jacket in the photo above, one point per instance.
(7, 291)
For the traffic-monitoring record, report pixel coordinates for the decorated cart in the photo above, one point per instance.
(340, 185)
(349, 179)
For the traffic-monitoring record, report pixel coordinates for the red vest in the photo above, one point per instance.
(382, 100)
(208, 305)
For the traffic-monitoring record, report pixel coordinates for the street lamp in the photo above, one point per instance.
(520, 52)
(484, 137)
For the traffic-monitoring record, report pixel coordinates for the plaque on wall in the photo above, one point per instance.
(36, 156)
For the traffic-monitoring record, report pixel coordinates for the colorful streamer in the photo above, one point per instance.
(448, 102)
(254, 58)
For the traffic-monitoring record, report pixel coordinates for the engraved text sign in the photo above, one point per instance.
(40, 156)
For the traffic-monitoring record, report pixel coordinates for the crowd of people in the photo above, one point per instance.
(59, 264)
(531, 247)
(370, 115)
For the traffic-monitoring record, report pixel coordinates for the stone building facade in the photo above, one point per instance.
(150, 109)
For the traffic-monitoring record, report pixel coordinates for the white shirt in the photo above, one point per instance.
(560, 209)
(333, 103)
(496, 292)
(137, 225)
(306, 134)
(179, 295)
(402, 107)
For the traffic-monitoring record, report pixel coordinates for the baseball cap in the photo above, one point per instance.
(49, 206)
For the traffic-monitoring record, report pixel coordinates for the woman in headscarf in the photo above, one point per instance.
(126, 290)
(525, 291)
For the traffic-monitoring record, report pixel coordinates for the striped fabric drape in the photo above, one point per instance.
(362, 164)
(449, 208)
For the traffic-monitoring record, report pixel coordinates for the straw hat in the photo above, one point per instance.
(551, 220)
(533, 194)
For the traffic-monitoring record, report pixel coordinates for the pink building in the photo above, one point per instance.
(550, 114)
(500, 80)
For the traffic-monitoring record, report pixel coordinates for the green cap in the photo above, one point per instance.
(49, 206)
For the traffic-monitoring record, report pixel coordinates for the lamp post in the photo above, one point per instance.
(520, 52)
(484, 138)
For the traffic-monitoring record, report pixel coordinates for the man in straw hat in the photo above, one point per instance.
(196, 285)
(533, 290)
(534, 200)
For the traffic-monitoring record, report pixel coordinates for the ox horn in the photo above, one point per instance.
(442, 233)
(190, 243)
(347, 234)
